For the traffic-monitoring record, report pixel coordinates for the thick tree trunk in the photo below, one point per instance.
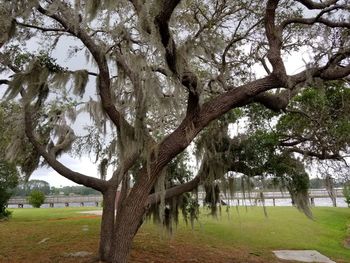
(128, 220)
(124, 235)
(107, 225)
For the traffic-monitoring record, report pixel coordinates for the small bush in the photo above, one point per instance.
(8, 181)
(346, 192)
(5, 214)
(36, 198)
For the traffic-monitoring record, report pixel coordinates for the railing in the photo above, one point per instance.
(97, 199)
(51, 200)
(313, 193)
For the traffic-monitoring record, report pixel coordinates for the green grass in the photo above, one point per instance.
(284, 228)
(246, 229)
(27, 227)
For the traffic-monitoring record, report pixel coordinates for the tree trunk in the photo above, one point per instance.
(107, 225)
(128, 220)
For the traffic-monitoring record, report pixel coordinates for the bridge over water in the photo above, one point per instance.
(59, 199)
(254, 195)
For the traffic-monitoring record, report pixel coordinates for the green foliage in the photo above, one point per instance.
(259, 116)
(346, 193)
(76, 190)
(25, 188)
(258, 150)
(178, 170)
(48, 62)
(8, 181)
(36, 198)
(322, 115)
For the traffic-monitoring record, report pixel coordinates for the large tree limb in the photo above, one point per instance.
(43, 29)
(191, 126)
(274, 36)
(4, 82)
(314, 20)
(280, 101)
(236, 97)
(174, 191)
(176, 63)
(317, 5)
(178, 140)
(274, 102)
(319, 19)
(321, 156)
(76, 177)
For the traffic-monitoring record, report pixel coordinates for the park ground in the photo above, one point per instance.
(243, 235)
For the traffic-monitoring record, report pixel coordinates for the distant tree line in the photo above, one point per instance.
(77, 190)
(25, 189)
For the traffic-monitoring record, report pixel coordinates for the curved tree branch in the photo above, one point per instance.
(76, 177)
(311, 21)
(322, 156)
(274, 36)
(176, 63)
(4, 82)
(100, 58)
(317, 5)
(174, 191)
(43, 29)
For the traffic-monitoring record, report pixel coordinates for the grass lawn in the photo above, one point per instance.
(242, 235)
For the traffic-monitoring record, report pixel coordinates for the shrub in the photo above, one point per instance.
(36, 198)
(346, 192)
(8, 181)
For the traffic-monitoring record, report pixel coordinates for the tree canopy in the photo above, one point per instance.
(25, 188)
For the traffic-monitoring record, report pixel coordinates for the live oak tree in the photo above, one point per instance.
(164, 71)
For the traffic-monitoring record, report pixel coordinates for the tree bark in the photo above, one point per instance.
(128, 221)
(107, 225)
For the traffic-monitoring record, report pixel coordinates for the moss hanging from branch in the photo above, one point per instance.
(81, 78)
